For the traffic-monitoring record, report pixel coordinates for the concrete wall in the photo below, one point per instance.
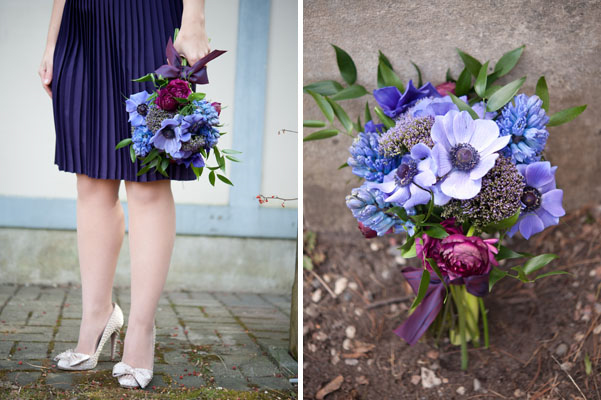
(562, 41)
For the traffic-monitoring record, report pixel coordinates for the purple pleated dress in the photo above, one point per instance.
(102, 45)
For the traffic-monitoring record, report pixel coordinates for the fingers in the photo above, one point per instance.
(45, 73)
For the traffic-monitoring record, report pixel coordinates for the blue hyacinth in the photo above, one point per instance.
(208, 112)
(525, 121)
(366, 160)
(141, 137)
(367, 205)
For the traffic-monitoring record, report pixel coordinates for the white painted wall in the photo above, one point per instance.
(26, 123)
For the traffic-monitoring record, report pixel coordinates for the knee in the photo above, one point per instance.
(101, 191)
(149, 192)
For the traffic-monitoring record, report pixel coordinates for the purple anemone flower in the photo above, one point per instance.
(168, 137)
(541, 200)
(189, 157)
(137, 107)
(434, 106)
(407, 185)
(465, 150)
(394, 103)
(191, 124)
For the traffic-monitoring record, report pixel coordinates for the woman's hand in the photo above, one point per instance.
(192, 41)
(45, 70)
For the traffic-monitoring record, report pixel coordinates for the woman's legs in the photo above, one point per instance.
(100, 230)
(151, 238)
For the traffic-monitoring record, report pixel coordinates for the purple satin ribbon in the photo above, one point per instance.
(195, 74)
(422, 317)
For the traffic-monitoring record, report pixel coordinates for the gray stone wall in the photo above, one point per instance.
(563, 42)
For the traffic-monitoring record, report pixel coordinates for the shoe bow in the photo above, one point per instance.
(71, 357)
(141, 375)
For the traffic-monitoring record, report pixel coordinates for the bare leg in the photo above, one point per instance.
(100, 230)
(151, 238)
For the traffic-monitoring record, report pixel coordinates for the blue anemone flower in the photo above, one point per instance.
(541, 200)
(393, 103)
(137, 107)
(168, 137)
(525, 121)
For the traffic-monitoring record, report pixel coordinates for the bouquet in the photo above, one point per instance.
(456, 168)
(175, 124)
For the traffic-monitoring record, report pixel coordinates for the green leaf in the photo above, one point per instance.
(423, 288)
(164, 164)
(536, 263)
(565, 115)
(343, 166)
(358, 126)
(224, 180)
(146, 78)
(419, 75)
(389, 77)
(436, 232)
(399, 212)
(382, 59)
(504, 95)
(551, 273)
(197, 171)
(464, 83)
(351, 92)
(388, 122)
(325, 88)
(491, 90)
(367, 113)
(495, 276)
(345, 65)
(542, 91)
(435, 268)
(151, 156)
(504, 224)
(463, 106)
(143, 170)
(212, 178)
(506, 63)
(341, 115)
(448, 77)
(132, 154)
(312, 123)
(123, 143)
(323, 105)
(232, 158)
(588, 366)
(409, 251)
(197, 96)
(321, 134)
(230, 151)
(470, 63)
(480, 85)
(506, 253)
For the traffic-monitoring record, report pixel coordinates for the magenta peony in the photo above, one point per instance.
(464, 256)
(446, 88)
(166, 96)
(429, 247)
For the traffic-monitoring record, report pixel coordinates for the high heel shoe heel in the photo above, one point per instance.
(130, 377)
(114, 338)
(72, 361)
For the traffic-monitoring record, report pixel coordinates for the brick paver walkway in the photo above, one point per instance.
(205, 340)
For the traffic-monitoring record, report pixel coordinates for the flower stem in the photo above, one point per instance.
(484, 321)
(471, 231)
(461, 313)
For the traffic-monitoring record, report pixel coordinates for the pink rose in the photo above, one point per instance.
(166, 96)
(367, 232)
(446, 88)
(465, 256)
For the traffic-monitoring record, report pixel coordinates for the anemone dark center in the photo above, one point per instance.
(142, 109)
(168, 133)
(406, 172)
(531, 198)
(464, 157)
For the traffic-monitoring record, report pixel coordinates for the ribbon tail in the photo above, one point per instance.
(172, 56)
(477, 285)
(167, 71)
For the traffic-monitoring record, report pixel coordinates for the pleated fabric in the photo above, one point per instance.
(101, 46)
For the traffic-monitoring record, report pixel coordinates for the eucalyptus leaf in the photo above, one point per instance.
(423, 288)
(436, 232)
(470, 63)
(490, 90)
(341, 115)
(146, 78)
(212, 178)
(123, 143)
(504, 95)
(506, 253)
(481, 80)
(419, 75)
(230, 151)
(323, 105)
(343, 166)
(312, 123)
(232, 158)
(351, 92)
(566, 115)
(321, 134)
(542, 91)
(382, 59)
(463, 106)
(506, 63)
(367, 113)
(551, 273)
(389, 77)
(388, 122)
(325, 88)
(464, 83)
(132, 154)
(224, 180)
(346, 65)
(164, 164)
(143, 170)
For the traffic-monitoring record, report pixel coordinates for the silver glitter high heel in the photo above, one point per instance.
(130, 377)
(72, 361)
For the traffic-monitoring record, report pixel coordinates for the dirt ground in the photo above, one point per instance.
(544, 337)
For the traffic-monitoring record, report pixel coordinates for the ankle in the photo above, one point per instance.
(97, 312)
